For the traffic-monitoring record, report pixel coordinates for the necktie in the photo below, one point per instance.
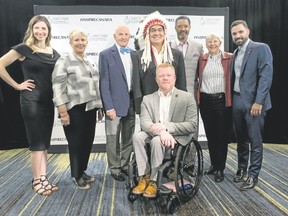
(124, 49)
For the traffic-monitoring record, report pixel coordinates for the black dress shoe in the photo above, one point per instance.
(125, 172)
(118, 176)
(249, 183)
(210, 171)
(219, 176)
(240, 175)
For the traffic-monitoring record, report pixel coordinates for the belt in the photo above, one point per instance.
(216, 95)
(236, 93)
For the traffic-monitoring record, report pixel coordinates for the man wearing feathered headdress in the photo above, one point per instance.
(153, 39)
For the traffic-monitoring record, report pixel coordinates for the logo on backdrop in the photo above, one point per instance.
(97, 37)
(58, 19)
(132, 20)
(211, 20)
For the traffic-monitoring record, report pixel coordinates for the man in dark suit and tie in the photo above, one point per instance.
(115, 68)
(251, 78)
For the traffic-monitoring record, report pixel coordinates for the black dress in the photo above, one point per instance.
(37, 106)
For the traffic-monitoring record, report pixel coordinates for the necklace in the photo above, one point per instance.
(43, 47)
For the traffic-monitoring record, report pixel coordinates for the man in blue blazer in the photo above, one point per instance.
(115, 68)
(251, 78)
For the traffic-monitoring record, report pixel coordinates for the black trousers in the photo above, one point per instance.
(80, 136)
(215, 119)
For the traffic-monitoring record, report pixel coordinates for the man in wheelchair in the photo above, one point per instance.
(167, 117)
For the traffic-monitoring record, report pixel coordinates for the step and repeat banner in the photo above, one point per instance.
(100, 22)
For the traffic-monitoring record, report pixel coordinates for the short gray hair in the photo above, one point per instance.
(213, 35)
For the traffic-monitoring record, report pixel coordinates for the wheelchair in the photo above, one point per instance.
(178, 178)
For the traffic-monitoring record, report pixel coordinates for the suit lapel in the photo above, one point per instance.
(118, 60)
(190, 50)
(156, 104)
(246, 56)
(152, 67)
(173, 103)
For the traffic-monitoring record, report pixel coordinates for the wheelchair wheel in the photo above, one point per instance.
(189, 168)
(173, 204)
(132, 197)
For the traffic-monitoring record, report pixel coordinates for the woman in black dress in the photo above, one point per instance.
(37, 61)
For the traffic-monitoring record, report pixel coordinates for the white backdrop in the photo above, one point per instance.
(100, 28)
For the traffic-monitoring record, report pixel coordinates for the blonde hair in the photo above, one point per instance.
(165, 65)
(29, 39)
(77, 31)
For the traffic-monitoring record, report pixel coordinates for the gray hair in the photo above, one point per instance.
(213, 35)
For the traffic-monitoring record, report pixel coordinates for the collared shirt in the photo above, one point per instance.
(213, 80)
(127, 63)
(183, 47)
(76, 81)
(164, 107)
(158, 56)
(238, 64)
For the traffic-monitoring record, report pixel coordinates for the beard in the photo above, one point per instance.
(182, 35)
(240, 41)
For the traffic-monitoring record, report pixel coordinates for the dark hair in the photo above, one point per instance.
(183, 17)
(238, 22)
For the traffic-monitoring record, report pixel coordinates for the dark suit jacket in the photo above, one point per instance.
(113, 84)
(144, 81)
(256, 75)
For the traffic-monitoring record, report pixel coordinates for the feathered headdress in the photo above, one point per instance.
(142, 36)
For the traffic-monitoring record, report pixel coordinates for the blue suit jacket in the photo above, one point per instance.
(113, 84)
(255, 76)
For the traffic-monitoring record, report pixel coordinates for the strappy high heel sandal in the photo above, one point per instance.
(81, 183)
(48, 184)
(40, 188)
(88, 178)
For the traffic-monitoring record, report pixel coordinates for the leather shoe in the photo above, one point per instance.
(151, 190)
(210, 171)
(142, 184)
(118, 176)
(88, 178)
(249, 183)
(240, 175)
(125, 172)
(219, 176)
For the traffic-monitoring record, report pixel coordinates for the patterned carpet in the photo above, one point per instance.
(108, 197)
